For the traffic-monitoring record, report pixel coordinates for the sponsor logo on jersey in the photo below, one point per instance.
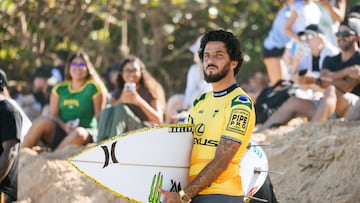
(239, 121)
(199, 129)
(207, 142)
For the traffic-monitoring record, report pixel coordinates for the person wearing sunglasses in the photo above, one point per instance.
(308, 94)
(74, 107)
(342, 92)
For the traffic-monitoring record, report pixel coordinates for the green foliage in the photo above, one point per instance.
(159, 32)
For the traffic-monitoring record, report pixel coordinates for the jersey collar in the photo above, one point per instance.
(225, 91)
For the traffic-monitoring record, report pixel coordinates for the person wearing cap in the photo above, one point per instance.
(60, 59)
(341, 92)
(10, 136)
(311, 63)
(307, 72)
(179, 104)
(36, 103)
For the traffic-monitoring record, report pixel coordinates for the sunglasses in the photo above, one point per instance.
(346, 33)
(305, 37)
(79, 65)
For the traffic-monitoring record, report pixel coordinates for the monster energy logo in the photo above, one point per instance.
(157, 183)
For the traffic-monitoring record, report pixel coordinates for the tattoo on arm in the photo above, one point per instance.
(224, 154)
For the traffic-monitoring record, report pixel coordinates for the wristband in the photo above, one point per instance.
(184, 197)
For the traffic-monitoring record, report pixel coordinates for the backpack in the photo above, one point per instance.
(272, 97)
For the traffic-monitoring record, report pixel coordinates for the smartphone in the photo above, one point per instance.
(130, 86)
(75, 123)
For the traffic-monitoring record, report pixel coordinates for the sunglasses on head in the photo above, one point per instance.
(305, 37)
(346, 33)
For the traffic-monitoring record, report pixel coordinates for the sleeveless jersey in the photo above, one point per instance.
(230, 115)
(77, 104)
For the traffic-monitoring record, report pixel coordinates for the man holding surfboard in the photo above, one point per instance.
(224, 120)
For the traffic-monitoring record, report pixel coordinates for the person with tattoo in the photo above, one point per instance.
(223, 122)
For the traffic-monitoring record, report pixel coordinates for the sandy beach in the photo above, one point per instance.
(312, 162)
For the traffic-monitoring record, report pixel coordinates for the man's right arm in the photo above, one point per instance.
(345, 80)
(6, 158)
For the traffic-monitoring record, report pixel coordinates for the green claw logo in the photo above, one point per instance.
(154, 196)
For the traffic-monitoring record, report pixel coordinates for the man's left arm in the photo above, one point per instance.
(224, 154)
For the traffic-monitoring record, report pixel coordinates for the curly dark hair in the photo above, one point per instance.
(231, 42)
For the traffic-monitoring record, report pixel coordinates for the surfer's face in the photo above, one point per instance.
(217, 63)
(132, 72)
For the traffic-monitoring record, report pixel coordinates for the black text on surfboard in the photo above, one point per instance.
(181, 129)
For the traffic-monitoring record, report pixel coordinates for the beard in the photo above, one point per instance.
(217, 77)
(347, 45)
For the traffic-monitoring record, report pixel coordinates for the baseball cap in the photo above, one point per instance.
(3, 78)
(42, 72)
(313, 29)
(194, 48)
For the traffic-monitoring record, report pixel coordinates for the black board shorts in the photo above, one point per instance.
(217, 198)
(275, 52)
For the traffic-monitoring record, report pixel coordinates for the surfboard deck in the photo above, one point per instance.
(135, 164)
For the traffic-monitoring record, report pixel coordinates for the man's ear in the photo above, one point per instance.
(234, 64)
(357, 38)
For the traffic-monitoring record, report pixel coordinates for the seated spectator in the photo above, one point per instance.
(343, 91)
(10, 136)
(36, 103)
(138, 101)
(110, 77)
(59, 64)
(179, 104)
(353, 72)
(74, 107)
(310, 65)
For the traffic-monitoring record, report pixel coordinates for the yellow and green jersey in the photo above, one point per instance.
(228, 114)
(77, 104)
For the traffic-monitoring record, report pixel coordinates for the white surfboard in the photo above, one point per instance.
(134, 165)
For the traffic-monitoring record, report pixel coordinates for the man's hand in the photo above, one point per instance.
(170, 197)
